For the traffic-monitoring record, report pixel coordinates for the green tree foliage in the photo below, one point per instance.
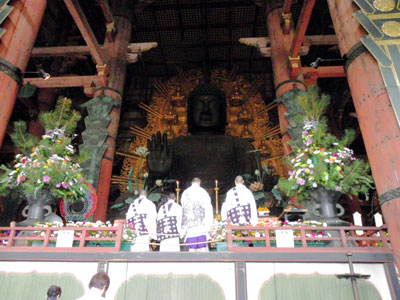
(22, 139)
(322, 160)
(63, 116)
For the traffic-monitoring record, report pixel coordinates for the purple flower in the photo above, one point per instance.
(58, 185)
(46, 179)
(309, 142)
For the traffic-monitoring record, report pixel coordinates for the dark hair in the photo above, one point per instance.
(99, 281)
(53, 292)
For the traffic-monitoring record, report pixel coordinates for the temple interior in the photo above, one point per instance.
(173, 46)
(210, 149)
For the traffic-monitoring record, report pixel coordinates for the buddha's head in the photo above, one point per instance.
(206, 113)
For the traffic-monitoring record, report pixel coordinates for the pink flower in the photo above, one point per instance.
(64, 184)
(301, 181)
(309, 142)
(46, 179)
(338, 188)
(58, 185)
(20, 179)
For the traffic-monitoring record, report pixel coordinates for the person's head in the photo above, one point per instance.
(100, 281)
(143, 193)
(54, 292)
(172, 196)
(239, 180)
(196, 181)
(206, 110)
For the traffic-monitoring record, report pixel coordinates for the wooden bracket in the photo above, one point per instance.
(287, 22)
(295, 65)
(110, 33)
(102, 73)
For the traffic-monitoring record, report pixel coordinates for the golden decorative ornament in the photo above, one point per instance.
(384, 5)
(391, 28)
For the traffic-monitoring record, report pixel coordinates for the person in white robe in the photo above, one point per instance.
(169, 219)
(142, 216)
(239, 206)
(197, 218)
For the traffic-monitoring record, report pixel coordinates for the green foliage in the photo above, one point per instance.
(323, 160)
(312, 104)
(63, 116)
(22, 139)
(50, 163)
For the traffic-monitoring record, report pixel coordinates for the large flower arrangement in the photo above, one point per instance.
(50, 163)
(323, 160)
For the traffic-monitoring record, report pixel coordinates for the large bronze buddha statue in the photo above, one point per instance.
(206, 152)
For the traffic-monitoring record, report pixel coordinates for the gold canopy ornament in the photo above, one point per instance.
(381, 18)
(167, 113)
(391, 28)
(384, 5)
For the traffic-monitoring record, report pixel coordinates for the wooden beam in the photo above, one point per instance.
(287, 6)
(325, 72)
(311, 40)
(105, 7)
(64, 81)
(60, 51)
(76, 51)
(301, 28)
(320, 40)
(110, 24)
(286, 16)
(87, 33)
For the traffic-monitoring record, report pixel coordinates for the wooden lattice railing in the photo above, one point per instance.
(21, 238)
(334, 239)
(345, 239)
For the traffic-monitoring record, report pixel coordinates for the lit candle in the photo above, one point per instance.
(216, 183)
(177, 184)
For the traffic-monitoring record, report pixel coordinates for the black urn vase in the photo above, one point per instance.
(38, 208)
(328, 211)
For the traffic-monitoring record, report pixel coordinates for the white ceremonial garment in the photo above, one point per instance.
(245, 197)
(145, 214)
(91, 295)
(197, 217)
(170, 216)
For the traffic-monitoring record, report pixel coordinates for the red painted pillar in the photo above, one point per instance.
(379, 128)
(16, 45)
(116, 64)
(280, 46)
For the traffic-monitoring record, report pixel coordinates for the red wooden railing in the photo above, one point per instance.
(9, 241)
(374, 239)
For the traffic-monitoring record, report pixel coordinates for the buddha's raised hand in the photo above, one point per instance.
(159, 159)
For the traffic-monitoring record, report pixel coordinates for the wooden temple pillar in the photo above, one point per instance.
(16, 45)
(116, 52)
(283, 81)
(378, 124)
